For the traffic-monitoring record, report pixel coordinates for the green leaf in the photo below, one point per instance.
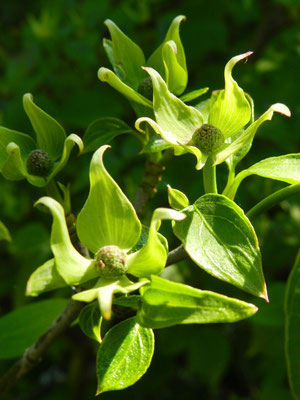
(102, 131)
(44, 279)
(193, 95)
(90, 321)
(107, 217)
(177, 199)
(283, 168)
(127, 55)
(247, 136)
(24, 142)
(231, 111)
(124, 355)
(152, 257)
(220, 239)
(4, 233)
(71, 265)
(105, 75)
(292, 328)
(166, 303)
(22, 327)
(132, 301)
(156, 144)
(169, 61)
(50, 134)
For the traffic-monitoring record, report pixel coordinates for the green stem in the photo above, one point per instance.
(272, 200)
(209, 176)
(230, 180)
(53, 191)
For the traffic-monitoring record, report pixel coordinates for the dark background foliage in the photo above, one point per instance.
(53, 50)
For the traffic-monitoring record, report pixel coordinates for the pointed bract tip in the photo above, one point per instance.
(264, 295)
(282, 109)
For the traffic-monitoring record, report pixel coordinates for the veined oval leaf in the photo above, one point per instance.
(22, 327)
(165, 303)
(102, 131)
(90, 321)
(220, 239)
(107, 217)
(124, 355)
(284, 168)
(292, 328)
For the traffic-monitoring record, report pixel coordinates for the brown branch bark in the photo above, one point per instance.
(147, 187)
(34, 354)
(176, 255)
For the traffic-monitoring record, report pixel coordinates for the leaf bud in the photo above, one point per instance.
(38, 163)
(146, 88)
(207, 138)
(110, 261)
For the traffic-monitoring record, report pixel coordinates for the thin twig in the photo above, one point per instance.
(176, 255)
(34, 354)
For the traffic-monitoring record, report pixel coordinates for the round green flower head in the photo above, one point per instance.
(38, 163)
(146, 88)
(110, 260)
(207, 138)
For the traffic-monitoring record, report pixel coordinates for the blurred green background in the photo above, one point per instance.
(53, 49)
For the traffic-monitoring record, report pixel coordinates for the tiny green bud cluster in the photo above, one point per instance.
(38, 163)
(207, 138)
(110, 261)
(146, 88)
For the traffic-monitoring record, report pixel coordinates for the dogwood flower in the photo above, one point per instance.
(38, 160)
(218, 131)
(109, 227)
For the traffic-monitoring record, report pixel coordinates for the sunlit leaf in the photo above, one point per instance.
(124, 356)
(165, 303)
(220, 239)
(283, 168)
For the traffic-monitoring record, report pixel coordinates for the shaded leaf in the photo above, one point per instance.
(22, 327)
(90, 321)
(292, 328)
(102, 131)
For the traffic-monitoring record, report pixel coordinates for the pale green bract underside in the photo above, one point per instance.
(107, 217)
